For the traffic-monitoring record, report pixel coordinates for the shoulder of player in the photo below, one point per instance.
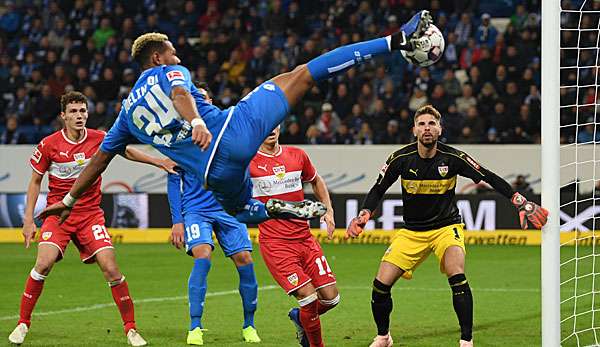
(404, 152)
(50, 141)
(93, 133)
(457, 154)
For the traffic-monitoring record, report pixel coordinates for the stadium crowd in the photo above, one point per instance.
(487, 85)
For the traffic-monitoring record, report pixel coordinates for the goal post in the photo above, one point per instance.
(550, 150)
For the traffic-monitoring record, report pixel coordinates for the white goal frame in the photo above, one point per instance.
(551, 330)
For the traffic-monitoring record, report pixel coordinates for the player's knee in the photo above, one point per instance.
(242, 258)
(202, 251)
(43, 266)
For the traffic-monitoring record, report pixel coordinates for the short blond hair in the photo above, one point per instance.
(146, 44)
(428, 109)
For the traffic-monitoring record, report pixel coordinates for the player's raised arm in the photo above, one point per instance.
(166, 164)
(33, 191)
(528, 210)
(186, 106)
(174, 195)
(389, 173)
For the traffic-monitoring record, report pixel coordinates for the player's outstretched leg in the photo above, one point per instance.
(296, 83)
(120, 292)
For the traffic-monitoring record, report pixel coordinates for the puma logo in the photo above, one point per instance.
(66, 154)
(264, 167)
(413, 171)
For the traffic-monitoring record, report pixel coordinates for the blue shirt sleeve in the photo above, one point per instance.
(118, 137)
(175, 76)
(174, 194)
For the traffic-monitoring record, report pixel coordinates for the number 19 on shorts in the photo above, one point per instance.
(193, 232)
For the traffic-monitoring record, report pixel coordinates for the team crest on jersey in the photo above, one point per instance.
(293, 279)
(36, 155)
(46, 235)
(175, 75)
(79, 158)
(279, 171)
(443, 170)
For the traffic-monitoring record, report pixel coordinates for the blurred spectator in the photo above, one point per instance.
(463, 29)
(417, 99)
(342, 136)
(103, 33)
(588, 134)
(313, 136)
(451, 84)
(466, 100)
(475, 123)
(364, 135)
(11, 135)
(328, 121)
(486, 33)
(519, 19)
(391, 135)
(292, 135)
(21, 106)
(521, 185)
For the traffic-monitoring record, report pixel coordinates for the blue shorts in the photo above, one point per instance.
(252, 120)
(231, 234)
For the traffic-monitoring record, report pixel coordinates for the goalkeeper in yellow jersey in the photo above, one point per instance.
(428, 171)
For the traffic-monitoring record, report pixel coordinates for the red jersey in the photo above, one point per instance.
(64, 160)
(281, 176)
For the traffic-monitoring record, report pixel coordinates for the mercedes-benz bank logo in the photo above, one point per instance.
(265, 186)
(577, 222)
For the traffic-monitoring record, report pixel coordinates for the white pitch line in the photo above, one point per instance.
(230, 292)
(140, 301)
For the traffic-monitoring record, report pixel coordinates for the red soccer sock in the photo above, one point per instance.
(33, 290)
(120, 293)
(309, 317)
(326, 305)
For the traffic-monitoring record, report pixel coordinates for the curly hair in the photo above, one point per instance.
(146, 44)
(72, 97)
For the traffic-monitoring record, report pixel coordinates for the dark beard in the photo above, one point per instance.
(429, 145)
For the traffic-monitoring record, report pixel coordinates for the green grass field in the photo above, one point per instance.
(505, 282)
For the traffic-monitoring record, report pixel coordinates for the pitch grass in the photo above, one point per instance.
(505, 282)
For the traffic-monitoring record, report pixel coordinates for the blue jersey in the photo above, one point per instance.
(148, 116)
(186, 195)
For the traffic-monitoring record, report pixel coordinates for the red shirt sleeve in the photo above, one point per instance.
(40, 158)
(308, 170)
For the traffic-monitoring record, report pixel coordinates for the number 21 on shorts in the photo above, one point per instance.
(100, 232)
(323, 266)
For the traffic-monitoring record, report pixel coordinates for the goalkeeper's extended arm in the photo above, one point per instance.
(357, 224)
(528, 210)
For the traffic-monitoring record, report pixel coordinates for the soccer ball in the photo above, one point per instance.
(429, 49)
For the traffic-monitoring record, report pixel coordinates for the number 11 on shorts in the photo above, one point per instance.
(322, 269)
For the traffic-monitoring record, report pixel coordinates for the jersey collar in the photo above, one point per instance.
(271, 155)
(73, 142)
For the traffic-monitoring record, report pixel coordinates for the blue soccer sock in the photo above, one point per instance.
(197, 291)
(249, 292)
(254, 212)
(344, 57)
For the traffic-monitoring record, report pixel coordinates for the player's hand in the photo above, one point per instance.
(29, 230)
(168, 165)
(57, 209)
(201, 136)
(358, 223)
(529, 211)
(177, 235)
(330, 222)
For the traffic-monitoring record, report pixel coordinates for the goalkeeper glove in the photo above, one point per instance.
(358, 223)
(529, 211)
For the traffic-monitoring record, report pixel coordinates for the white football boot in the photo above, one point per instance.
(135, 339)
(18, 335)
(464, 343)
(382, 341)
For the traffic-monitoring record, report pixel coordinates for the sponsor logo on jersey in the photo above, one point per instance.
(383, 169)
(265, 186)
(428, 186)
(175, 75)
(443, 170)
(79, 158)
(293, 279)
(46, 235)
(279, 171)
(36, 155)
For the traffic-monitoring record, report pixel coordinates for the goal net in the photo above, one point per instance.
(579, 173)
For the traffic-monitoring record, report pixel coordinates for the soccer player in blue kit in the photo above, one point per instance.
(195, 214)
(164, 96)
